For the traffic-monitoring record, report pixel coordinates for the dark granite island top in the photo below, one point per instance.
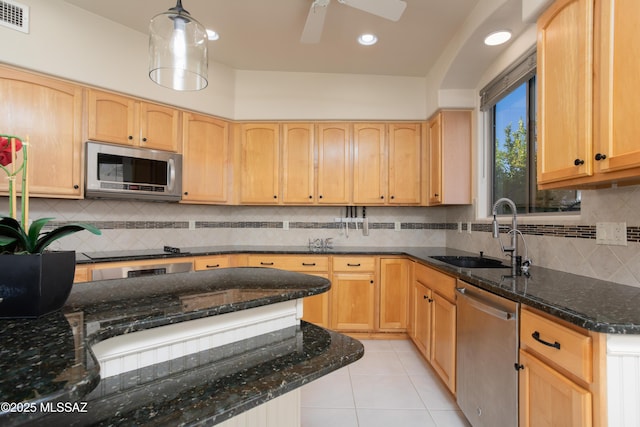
(50, 374)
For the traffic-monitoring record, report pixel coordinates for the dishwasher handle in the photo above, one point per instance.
(485, 307)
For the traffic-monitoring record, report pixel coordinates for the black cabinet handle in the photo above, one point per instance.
(213, 266)
(186, 193)
(382, 197)
(266, 263)
(393, 197)
(321, 196)
(600, 156)
(311, 197)
(275, 197)
(144, 139)
(76, 186)
(353, 265)
(578, 162)
(309, 264)
(130, 137)
(536, 336)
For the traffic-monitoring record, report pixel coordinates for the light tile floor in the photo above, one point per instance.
(390, 386)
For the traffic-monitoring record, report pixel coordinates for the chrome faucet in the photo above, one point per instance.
(513, 249)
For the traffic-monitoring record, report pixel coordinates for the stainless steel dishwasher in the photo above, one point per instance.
(487, 357)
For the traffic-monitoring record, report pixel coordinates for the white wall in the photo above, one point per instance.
(293, 96)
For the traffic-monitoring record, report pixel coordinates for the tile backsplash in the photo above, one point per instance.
(565, 243)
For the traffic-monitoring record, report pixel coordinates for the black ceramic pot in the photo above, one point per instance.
(32, 285)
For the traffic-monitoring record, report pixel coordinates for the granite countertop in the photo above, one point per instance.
(48, 361)
(593, 304)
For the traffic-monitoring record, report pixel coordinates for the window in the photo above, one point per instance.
(510, 101)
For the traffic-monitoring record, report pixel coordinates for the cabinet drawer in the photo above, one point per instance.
(290, 263)
(562, 346)
(439, 282)
(81, 274)
(212, 262)
(349, 263)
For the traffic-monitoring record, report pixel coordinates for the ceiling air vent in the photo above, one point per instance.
(14, 15)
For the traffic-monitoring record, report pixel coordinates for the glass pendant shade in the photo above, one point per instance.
(178, 50)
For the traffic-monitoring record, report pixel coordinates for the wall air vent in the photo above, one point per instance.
(14, 15)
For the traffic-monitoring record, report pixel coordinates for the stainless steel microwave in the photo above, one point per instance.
(114, 171)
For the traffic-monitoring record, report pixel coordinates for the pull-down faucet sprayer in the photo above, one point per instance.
(513, 249)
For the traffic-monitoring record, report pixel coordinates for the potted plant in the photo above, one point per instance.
(33, 281)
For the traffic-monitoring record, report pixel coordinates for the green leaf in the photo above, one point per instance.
(12, 233)
(35, 229)
(60, 232)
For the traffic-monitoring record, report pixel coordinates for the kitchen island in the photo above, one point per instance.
(51, 373)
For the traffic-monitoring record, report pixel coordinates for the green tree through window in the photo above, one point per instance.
(514, 155)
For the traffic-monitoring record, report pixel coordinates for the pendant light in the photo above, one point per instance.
(177, 50)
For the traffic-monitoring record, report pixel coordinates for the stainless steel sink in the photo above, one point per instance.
(471, 261)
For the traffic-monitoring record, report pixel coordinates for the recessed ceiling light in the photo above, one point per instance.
(497, 38)
(367, 39)
(212, 35)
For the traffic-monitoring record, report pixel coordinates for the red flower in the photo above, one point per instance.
(5, 150)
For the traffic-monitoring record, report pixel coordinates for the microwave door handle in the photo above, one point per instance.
(172, 174)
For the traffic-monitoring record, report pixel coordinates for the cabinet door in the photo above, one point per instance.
(617, 66)
(353, 301)
(112, 118)
(434, 196)
(564, 91)
(404, 163)
(159, 127)
(394, 293)
(443, 340)
(49, 112)
(422, 317)
(334, 164)
(548, 398)
(259, 163)
(205, 159)
(315, 308)
(369, 164)
(298, 186)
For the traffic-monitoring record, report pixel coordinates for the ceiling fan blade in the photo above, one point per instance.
(315, 22)
(388, 9)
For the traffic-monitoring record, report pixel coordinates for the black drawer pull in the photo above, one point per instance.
(309, 264)
(536, 336)
(213, 266)
(266, 263)
(353, 265)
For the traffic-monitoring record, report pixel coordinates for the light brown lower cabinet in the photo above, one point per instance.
(211, 262)
(395, 274)
(562, 378)
(315, 309)
(548, 398)
(434, 321)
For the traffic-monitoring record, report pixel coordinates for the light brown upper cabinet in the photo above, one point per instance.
(404, 163)
(587, 127)
(387, 163)
(205, 159)
(298, 173)
(259, 163)
(564, 91)
(122, 120)
(49, 112)
(449, 158)
(617, 87)
(369, 164)
(334, 163)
